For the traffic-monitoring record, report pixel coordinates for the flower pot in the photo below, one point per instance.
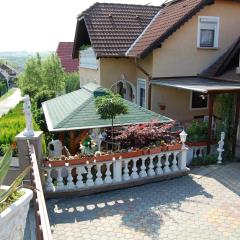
(131, 154)
(174, 147)
(155, 150)
(56, 163)
(164, 148)
(145, 151)
(13, 219)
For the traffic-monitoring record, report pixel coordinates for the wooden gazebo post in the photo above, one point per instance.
(210, 120)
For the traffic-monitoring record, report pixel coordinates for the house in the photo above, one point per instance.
(64, 52)
(8, 73)
(156, 56)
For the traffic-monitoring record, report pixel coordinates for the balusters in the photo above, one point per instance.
(126, 176)
(174, 167)
(200, 152)
(194, 152)
(134, 174)
(108, 178)
(70, 183)
(89, 181)
(60, 184)
(150, 171)
(159, 170)
(99, 180)
(79, 183)
(49, 186)
(166, 168)
(143, 169)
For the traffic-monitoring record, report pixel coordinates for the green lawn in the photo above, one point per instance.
(7, 94)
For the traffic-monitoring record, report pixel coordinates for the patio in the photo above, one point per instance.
(203, 205)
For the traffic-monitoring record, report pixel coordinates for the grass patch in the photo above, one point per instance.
(11, 199)
(7, 94)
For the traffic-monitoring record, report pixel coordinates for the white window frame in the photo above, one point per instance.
(91, 62)
(141, 81)
(209, 19)
(197, 109)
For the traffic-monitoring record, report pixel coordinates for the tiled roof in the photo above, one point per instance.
(173, 15)
(76, 110)
(64, 52)
(112, 28)
(224, 64)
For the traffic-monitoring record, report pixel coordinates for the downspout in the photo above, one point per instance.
(149, 78)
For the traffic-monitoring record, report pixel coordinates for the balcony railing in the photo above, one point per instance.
(115, 172)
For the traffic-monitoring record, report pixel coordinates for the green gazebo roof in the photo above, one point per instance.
(76, 110)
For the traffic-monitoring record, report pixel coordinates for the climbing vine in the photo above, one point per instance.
(226, 111)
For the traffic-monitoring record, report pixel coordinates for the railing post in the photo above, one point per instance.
(117, 170)
(182, 161)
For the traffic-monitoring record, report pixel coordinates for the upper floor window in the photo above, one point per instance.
(87, 59)
(142, 92)
(208, 32)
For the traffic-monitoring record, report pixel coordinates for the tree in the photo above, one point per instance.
(110, 105)
(53, 74)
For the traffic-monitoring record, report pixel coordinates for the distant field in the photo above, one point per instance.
(18, 59)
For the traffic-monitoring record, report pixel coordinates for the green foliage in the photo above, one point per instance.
(110, 105)
(53, 74)
(206, 160)
(43, 96)
(39, 73)
(84, 47)
(30, 90)
(72, 82)
(11, 124)
(3, 87)
(198, 131)
(5, 164)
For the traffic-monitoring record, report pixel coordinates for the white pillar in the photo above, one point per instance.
(182, 162)
(117, 170)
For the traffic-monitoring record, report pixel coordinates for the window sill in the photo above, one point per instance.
(208, 48)
(198, 109)
(88, 67)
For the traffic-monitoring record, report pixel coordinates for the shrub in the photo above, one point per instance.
(72, 82)
(3, 87)
(30, 90)
(198, 131)
(206, 160)
(144, 135)
(42, 97)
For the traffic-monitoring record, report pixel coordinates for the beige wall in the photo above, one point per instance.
(179, 55)
(113, 68)
(89, 75)
(177, 103)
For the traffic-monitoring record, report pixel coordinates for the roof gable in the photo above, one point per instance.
(64, 52)
(171, 17)
(112, 28)
(226, 65)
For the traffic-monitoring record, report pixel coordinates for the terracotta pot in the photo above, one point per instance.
(177, 146)
(145, 151)
(131, 154)
(164, 148)
(56, 163)
(155, 150)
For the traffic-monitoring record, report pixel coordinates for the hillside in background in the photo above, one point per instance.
(18, 59)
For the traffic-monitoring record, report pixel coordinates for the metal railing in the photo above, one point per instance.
(43, 229)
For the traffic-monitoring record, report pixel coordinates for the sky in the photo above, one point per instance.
(38, 25)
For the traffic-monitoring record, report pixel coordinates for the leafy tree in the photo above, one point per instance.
(43, 96)
(53, 74)
(72, 82)
(110, 105)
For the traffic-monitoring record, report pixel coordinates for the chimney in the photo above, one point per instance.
(238, 68)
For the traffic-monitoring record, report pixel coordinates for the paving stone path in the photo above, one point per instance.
(192, 207)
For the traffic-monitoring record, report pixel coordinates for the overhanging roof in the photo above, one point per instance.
(198, 84)
(76, 110)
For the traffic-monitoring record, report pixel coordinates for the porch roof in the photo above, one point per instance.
(199, 84)
(76, 110)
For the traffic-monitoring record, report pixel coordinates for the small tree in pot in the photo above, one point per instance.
(109, 106)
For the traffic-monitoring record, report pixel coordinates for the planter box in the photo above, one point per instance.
(196, 144)
(13, 219)
(174, 147)
(131, 154)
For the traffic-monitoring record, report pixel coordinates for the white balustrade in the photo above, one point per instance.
(91, 175)
(150, 171)
(134, 174)
(199, 151)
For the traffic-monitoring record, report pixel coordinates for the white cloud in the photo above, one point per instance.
(38, 25)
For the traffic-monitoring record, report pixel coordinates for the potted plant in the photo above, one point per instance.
(14, 202)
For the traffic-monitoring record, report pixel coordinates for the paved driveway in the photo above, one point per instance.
(204, 205)
(10, 102)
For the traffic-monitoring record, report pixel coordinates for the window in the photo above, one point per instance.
(208, 32)
(88, 59)
(141, 93)
(199, 100)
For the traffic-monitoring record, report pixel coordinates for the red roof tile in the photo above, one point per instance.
(112, 28)
(169, 19)
(64, 52)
